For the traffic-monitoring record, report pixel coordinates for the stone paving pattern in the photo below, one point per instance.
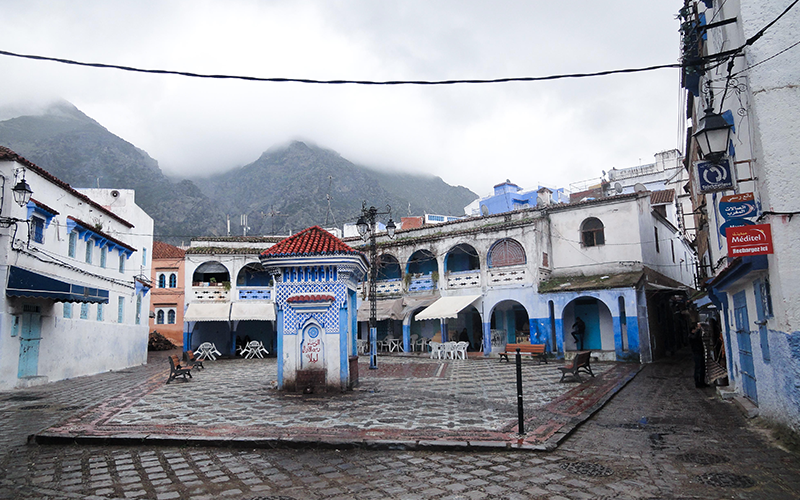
(409, 402)
(659, 437)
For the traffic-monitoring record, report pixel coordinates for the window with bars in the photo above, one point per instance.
(171, 317)
(67, 309)
(173, 280)
(120, 309)
(122, 262)
(592, 232)
(103, 255)
(506, 252)
(37, 229)
(139, 309)
(89, 245)
(84, 311)
(162, 281)
(73, 243)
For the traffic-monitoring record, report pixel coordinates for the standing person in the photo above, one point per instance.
(698, 354)
(578, 330)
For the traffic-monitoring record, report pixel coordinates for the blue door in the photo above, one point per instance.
(746, 367)
(30, 334)
(588, 311)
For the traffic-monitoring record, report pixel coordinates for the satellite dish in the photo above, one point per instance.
(618, 188)
(484, 210)
(639, 188)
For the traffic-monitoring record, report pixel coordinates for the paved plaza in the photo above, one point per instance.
(653, 435)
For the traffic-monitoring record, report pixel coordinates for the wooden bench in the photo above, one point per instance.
(579, 364)
(192, 361)
(176, 370)
(535, 350)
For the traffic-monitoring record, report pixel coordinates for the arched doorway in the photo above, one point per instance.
(598, 321)
(510, 323)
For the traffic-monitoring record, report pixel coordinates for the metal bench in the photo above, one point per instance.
(176, 370)
(581, 363)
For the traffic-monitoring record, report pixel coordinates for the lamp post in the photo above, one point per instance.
(366, 228)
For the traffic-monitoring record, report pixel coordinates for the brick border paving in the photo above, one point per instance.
(546, 426)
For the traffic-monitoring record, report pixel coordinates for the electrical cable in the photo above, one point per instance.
(341, 82)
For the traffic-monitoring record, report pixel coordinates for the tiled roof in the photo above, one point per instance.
(662, 197)
(8, 155)
(239, 239)
(92, 228)
(311, 241)
(44, 207)
(163, 250)
(223, 251)
(310, 298)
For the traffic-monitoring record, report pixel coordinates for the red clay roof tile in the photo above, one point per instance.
(311, 241)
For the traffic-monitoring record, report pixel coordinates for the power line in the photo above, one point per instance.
(340, 82)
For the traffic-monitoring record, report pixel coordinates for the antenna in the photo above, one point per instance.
(272, 214)
(328, 196)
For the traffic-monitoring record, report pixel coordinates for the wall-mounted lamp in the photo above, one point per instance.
(22, 192)
(713, 136)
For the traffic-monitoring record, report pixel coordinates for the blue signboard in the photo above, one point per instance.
(714, 176)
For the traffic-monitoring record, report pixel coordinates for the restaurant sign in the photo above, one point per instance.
(749, 240)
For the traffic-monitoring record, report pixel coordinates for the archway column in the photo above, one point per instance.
(487, 339)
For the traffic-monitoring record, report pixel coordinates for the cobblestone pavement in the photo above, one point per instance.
(410, 402)
(659, 437)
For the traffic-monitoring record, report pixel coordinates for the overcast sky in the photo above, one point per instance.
(550, 133)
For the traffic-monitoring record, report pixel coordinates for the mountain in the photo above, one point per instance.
(81, 152)
(289, 188)
(286, 189)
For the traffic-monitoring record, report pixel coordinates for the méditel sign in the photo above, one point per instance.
(749, 240)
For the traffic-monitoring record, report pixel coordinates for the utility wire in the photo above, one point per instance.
(340, 82)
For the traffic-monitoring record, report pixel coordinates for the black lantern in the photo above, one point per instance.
(391, 228)
(713, 136)
(22, 193)
(362, 227)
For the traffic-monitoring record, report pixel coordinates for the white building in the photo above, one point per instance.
(71, 304)
(526, 274)
(228, 294)
(753, 86)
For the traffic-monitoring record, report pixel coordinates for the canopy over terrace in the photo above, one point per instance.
(447, 307)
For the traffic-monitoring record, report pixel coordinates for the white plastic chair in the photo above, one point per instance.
(422, 343)
(207, 350)
(254, 348)
(449, 350)
(461, 350)
(413, 342)
(436, 350)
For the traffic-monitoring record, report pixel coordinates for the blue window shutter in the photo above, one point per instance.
(173, 280)
(67, 309)
(120, 309)
(103, 253)
(171, 317)
(100, 311)
(84, 311)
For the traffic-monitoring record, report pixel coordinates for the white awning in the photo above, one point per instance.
(446, 307)
(253, 310)
(213, 311)
(384, 309)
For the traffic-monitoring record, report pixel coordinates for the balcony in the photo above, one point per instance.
(423, 283)
(254, 293)
(210, 291)
(464, 279)
(506, 276)
(385, 288)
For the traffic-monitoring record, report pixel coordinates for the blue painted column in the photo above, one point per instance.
(617, 336)
(487, 339)
(443, 329)
(407, 337)
(279, 323)
(344, 359)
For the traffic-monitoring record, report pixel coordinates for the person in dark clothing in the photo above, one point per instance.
(578, 331)
(698, 354)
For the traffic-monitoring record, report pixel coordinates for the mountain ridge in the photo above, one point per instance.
(286, 189)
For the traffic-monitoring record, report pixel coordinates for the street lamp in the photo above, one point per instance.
(22, 193)
(712, 136)
(366, 228)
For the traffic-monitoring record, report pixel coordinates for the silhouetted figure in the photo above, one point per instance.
(578, 331)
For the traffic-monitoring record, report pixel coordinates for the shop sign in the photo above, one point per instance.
(738, 206)
(749, 240)
(714, 176)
